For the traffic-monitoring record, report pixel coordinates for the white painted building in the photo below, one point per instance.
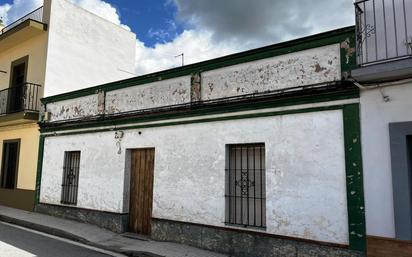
(257, 150)
(384, 74)
(54, 49)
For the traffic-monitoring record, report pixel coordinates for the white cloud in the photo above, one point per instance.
(197, 45)
(11, 12)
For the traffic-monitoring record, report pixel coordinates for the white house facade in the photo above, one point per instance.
(257, 151)
(384, 74)
(51, 50)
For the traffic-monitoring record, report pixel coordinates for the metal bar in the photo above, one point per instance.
(254, 188)
(376, 31)
(235, 188)
(366, 32)
(406, 26)
(230, 182)
(248, 183)
(395, 28)
(241, 185)
(261, 187)
(385, 31)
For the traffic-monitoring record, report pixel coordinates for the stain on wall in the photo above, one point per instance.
(291, 70)
(74, 108)
(157, 94)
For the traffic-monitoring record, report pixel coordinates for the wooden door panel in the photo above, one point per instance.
(141, 191)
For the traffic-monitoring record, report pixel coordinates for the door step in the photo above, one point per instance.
(136, 236)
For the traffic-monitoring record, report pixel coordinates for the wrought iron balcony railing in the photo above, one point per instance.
(384, 30)
(36, 15)
(24, 97)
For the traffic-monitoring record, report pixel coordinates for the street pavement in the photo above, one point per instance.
(19, 242)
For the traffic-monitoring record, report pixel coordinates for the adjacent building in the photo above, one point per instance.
(258, 151)
(384, 73)
(52, 50)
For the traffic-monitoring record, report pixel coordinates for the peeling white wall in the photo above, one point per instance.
(376, 116)
(305, 176)
(290, 70)
(85, 50)
(151, 95)
(73, 108)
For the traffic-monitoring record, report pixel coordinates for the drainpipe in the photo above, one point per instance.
(380, 86)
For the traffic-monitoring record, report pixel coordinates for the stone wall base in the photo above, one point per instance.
(243, 243)
(116, 222)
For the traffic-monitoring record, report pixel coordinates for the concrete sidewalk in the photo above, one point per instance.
(98, 237)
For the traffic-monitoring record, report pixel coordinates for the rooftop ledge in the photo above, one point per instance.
(18, 118)
(20, 33)
(384, 71)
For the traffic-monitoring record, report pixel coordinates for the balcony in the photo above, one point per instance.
(23, 101)
(384, 39)
(22, 29)
(36, 15)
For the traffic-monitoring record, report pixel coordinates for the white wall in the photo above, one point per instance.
(85, 50)
(305, 176)
(301, 68)
(375, 117)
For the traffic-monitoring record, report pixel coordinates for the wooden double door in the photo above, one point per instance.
(141, 190)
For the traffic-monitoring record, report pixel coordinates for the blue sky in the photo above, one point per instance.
(152, 20)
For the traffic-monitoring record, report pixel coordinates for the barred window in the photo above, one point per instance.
(70, 177)
(245, 185)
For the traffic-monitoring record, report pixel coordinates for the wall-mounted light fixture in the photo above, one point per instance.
(118, 135)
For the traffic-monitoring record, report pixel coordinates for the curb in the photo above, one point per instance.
(72, 237)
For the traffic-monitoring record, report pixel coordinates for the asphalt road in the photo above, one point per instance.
(18, 242)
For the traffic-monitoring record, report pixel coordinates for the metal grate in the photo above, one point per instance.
(245, 185)
(23, 97)
(383, 30)
(70, 177)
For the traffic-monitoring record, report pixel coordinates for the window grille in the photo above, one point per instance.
(245, 185)
(70, 177)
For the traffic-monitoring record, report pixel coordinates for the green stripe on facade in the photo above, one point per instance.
(351, 93)
(39, 168)
(323, 39)
(186, 122)
(354, 178)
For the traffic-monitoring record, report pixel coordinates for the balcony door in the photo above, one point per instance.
(18, 76)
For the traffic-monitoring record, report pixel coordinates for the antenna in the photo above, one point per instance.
(183, 58)
(125, 71)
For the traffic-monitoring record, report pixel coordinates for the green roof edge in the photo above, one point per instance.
(295, 45)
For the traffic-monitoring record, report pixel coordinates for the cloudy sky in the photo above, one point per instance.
(204, 29)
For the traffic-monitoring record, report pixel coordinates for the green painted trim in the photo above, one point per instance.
(226, 118)
(323, 39)
(39, 169)
(350, 93)
(348, 55)
(354, 178)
